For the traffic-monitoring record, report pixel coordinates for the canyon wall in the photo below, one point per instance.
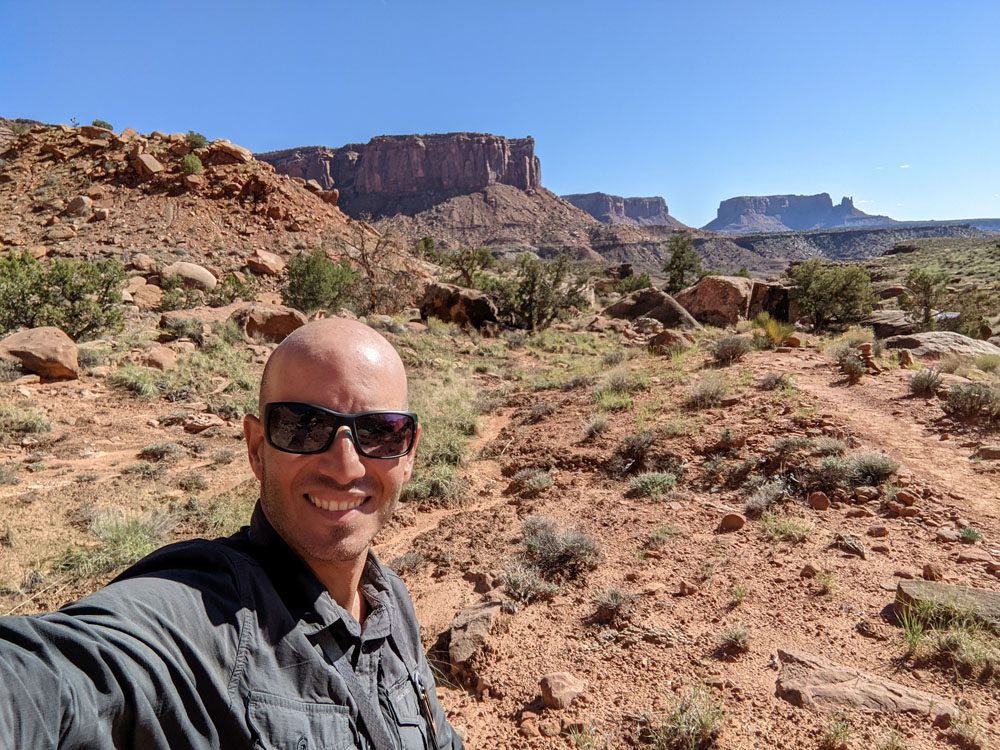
(784, 213)
(614, 209)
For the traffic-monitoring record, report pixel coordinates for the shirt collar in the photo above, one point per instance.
(307, 598)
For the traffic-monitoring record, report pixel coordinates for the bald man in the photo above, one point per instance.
(288, 634)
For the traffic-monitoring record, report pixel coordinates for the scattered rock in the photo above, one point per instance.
(668, 341)
(191, 274)
(268, 322)
(717, 300)
(940, 343)
(812, 682)
(265, 263)
(560, 689)
(947, 535)
(981, 604)
(200, 422)
(146, 165)
(652, 303)
(46, 351)
(160, 357)
(932, 572)
(732, 522)
(686, 589)
(974, 556)
(907, 497)
(81, 205)
(819, 501)
(808, 571)
(878, 531)
(469, 631)
(455, 304)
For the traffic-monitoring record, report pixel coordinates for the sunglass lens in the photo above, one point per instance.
(300, 428)
(381, 435)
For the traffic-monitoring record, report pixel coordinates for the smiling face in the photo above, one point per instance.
(329, 506)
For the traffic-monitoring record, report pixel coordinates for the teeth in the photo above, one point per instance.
(346, 505)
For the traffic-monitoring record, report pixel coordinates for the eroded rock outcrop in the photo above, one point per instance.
(614, 209)
(784, 213)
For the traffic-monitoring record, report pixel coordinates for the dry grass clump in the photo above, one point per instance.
(925, 382)
(707, 391)
(596, 426)
(693, 722)
(772, 381)
(730, 349)
(652, 484)
(836, 733)
(770, 332)
(524, 584)
(531, 481)
(17, 420)
(766, 496)
(614, 606)
(558, 555)
(868, 469)
(973, 401)
(123, 540)
(733, 639)
(784, 528)
(162, 452)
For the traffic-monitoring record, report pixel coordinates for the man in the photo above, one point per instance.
(290, 633)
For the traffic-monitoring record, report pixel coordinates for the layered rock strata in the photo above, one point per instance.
(785, 213)
(614, 209)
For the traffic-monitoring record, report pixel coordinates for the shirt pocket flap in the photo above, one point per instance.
(280, 723)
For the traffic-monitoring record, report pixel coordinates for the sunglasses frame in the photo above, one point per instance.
(341, 420)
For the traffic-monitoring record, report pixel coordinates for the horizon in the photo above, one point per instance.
(896, 111)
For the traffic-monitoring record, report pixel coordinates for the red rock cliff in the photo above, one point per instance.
(408, 173)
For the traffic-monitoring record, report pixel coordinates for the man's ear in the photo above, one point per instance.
(253, 433)
(412, 455)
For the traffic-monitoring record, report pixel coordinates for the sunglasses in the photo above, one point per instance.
(294, 427)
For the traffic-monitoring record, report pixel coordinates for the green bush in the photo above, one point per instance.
(652, 484)
(972, 401)
(707, 391)
(730, 349)
(81, 298)
(634, 283)
(770, 332)
(102, 124)
(538, 293)
(191, 164)
(195, 139)
(827, 292)
(19, 128)
(232, 288)
(925, 382)
(925, 288)
(468, 263)
(315, 282)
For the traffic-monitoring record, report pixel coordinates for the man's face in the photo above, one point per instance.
(329, 506)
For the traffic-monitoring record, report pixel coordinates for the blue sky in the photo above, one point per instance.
(894, 103)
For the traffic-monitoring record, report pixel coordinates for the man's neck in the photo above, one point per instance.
(343, 581)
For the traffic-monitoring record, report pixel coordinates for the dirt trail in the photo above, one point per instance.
(880, 412)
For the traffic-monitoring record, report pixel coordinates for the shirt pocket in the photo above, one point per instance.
(279, 723)
(409, 720)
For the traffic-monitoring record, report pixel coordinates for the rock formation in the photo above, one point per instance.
(394, 174)
(786, 213)
(614, 209)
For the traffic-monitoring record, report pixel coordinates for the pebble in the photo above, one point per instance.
(819, 501)
(732, 522)
(933, 572)
(878, 531)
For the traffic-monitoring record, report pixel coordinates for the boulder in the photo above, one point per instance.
(769, 297)
(265, 263)
(268, 322)
(888, 323)
(469, 631)
(454, 304)
(46, 351)
(718, 300)
(669, 341)
(146, 165)
(147, 297)
(159, 357)
(935, 344)
(142, 263)
(652, 303)
(81, 205)
(891, 292)
(812, 682)
(191, 274)
(224, 152)
(560, 689)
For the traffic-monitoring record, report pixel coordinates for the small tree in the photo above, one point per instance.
(102, 124)
(191, 164)
(195, 139)
(78, 297)
(316, 282)
(469, 263)
(925, 288)
(684, 266)
(825, 291)
(539, 292)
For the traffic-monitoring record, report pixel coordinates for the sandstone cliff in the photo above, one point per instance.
(410, 173)
(785, 213)
(614, 209)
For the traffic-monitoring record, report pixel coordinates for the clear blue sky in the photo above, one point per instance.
(894, 103)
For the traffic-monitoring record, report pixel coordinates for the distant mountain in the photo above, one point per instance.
(614, 209)
(787, 213)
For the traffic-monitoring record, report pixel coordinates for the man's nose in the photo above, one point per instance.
(341, 460)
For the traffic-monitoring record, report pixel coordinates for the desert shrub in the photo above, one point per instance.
(766, 496)
(162, 452)
(972, 401)
(559, 555)
(829, 446)
(315, 282)
(469, 263)
(596, 426)
(178, 296)
(19, 128)
(406, 563)
(988, 362)
(192, 481)
(540, 410)
(191, 164)
(9, 370)
(693, 722)
(538, 293)
(81, 298)
(872, 469)
(633, 283)
(684, 265)
(195, 139)
(92, 356)
(853, 367)
(613, 357)
(826, 291)
(770, 332)
(788, 444)
(531, 481)
(772, 381)
(734, 639)
(631, 454)
(652, 484)
(16, 421)
(832, 472)
(969, 535)
(925, 382)
(102, 124)
(707, 391)
(185, 328)
(614, 606)
(730, 349)
(123, 540)
(524, 584)
(8, 475)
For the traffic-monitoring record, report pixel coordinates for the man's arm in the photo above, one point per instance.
(145, 662)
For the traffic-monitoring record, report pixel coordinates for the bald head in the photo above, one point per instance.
(338, 350)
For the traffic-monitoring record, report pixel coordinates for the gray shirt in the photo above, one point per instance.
(231, 643)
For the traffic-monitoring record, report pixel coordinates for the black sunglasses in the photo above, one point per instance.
(294, 427)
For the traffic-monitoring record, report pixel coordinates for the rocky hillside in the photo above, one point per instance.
(614, 209)
(782, 213)
(88, 192)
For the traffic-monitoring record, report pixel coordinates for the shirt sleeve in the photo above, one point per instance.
(148, 662)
